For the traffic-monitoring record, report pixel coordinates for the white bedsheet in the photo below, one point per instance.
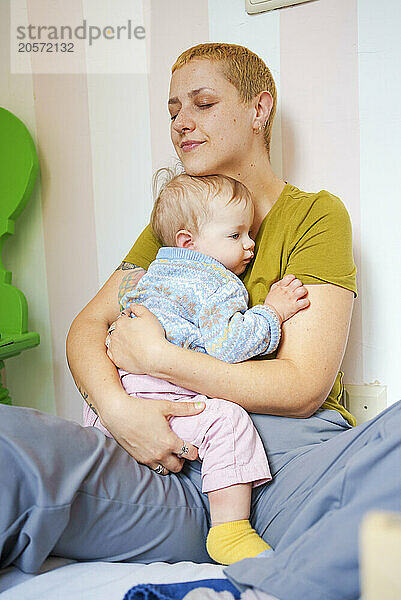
(61, 579)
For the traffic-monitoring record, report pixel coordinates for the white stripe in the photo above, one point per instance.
(380, 126)
(228, 22)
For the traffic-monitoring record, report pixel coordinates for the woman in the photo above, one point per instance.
(87, 499)
(227, 130)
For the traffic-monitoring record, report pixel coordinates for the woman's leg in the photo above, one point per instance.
(346, 477)
(287, 442)
(300, 453)
(69, 491)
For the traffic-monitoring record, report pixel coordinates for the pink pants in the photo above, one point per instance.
(228, 444)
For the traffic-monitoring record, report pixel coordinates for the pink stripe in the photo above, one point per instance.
(61, 110)
(175, 26)
(320, 116)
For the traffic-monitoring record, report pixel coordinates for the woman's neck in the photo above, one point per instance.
(264, 185)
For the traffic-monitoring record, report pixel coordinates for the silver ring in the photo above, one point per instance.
(184, 450)
(159, 470)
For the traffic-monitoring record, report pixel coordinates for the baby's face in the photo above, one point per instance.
(227, 236)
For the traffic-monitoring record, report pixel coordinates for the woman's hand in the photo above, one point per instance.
(135, 344)
(141, 427)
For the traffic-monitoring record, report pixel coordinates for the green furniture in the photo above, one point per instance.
(18, 170)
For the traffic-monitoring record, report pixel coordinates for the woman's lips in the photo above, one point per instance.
(190, 145)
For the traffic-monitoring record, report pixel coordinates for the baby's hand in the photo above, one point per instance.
(287, 297)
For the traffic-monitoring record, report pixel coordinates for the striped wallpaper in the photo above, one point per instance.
(100, 137)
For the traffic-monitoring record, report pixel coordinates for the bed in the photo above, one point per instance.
(61, 579)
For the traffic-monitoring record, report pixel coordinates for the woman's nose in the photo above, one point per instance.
(183, 122)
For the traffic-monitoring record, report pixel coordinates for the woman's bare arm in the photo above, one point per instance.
(295, 384)
(140, 426)
(87, 334)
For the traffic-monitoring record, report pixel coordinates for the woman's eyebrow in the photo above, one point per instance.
(191, 94)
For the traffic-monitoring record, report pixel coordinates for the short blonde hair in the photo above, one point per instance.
(243, 68)
(186, 202)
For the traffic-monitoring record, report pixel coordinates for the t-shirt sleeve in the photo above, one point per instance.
(321, 244)
(144, 251)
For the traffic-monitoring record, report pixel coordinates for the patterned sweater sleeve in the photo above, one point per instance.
(234, 333)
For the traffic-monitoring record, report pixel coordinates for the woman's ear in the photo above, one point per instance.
(184, 239)
(263, 107)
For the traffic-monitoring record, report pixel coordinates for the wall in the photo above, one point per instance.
(100, 137)
(24, 253)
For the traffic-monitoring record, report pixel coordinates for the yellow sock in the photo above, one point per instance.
(233, 541)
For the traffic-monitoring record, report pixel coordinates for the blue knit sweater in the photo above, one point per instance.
(204, 306)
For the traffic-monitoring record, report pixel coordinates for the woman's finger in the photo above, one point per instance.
(169, 459)
(159, 469)
(183, 409)
(173, 463)
(184, 450)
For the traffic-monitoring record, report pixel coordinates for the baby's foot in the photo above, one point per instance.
(229, 542)
(287, 297)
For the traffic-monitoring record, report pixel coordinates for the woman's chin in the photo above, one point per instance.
(196, 170)
(196, 167)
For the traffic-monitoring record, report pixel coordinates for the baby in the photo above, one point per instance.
(204, 225)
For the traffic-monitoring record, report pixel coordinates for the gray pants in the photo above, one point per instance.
(69, 491)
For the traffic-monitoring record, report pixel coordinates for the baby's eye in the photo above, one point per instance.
(173, 117)
(235, 236)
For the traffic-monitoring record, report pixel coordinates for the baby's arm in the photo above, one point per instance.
(287, 297)
(233, 333)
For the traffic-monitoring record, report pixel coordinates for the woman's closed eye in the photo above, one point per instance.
(200, 106)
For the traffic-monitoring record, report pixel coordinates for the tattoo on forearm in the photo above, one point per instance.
(129, 281)
(85, 397)
(93, 408)
(83, 393)
(125, 266)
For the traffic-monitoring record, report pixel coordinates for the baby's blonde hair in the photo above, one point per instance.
(186, 202)
(243, 68)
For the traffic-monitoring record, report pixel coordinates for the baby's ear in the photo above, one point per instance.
(184, 239)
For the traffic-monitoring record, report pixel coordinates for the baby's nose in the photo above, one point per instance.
(249, 244)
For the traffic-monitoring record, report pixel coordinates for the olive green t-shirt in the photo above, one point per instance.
(308, 235)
